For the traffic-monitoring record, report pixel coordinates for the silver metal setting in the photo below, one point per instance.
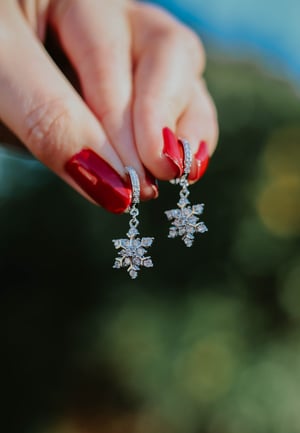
(185, 220)
(135, 183)
(131, 254)
(187, 155)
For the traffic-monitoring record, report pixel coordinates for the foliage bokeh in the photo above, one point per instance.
(207, 341)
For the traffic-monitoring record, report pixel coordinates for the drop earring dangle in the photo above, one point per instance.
(131, 251)
(185, 219)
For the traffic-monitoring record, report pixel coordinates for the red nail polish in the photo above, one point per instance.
(153, 183)
(100, 181)
(200, 164)
(173, 151)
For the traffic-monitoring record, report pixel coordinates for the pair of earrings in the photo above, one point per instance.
(184, 222)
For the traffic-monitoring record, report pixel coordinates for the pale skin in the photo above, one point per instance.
(139, 70)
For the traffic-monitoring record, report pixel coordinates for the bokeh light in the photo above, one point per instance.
(282, 153)
(279, 206)
(278, 201)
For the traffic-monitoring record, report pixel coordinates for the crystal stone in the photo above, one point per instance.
(133, 274)
(172, 233)
(147, 242)
(117, 243)
(127, 261)
(198, 209)
(117, 264)
(177, 213)
(186, 211)
(132, 232)
(188, 242)
(169, 214)
(189, 229)
(136, 261)
(201, 228)
(136, 243)
(183, 201)
(193, 220)
(148, 263)
(140, 251)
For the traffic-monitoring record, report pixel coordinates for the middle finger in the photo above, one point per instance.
(96, 38)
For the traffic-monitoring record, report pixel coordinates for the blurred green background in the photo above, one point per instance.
(208, 341)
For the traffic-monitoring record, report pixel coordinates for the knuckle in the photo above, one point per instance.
(148, 104)
(180, 37)
(107, 112)
(166, 29)
(168, 109)
(45, 127)
(94, 52)
(150, 111)
(195, 47)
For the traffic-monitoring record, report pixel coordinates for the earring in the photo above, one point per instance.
(185, 220)
(131, 254)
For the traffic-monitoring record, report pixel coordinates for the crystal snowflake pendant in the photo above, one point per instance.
(131, 251)
(185, 219)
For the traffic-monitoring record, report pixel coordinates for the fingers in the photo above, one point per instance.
(35, 13)
(123, 122)
(97, 39)
(44, 111)
(169, 58)
(199, 126)
(134, 111)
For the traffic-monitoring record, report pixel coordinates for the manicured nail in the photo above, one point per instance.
(100, 181)
(152, 182)
(200, 164)
(173, 151)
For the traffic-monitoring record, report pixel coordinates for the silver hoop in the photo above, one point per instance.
(131, 254)
(187, 156)
(185, 219)
(135, 183)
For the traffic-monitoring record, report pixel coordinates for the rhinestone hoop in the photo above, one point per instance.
(131, 254)
(185, 219)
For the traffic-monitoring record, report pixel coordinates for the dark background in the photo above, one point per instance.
(206, 341)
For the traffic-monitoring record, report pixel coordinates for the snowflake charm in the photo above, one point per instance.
(185, 221)
(131, 254)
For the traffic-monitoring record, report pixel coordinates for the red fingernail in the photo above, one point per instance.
(100, 181)
(153, 183)
(200, 164)
(173, 151)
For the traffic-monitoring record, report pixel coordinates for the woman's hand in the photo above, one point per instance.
(140, 78)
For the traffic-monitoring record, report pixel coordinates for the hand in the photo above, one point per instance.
(139, 72)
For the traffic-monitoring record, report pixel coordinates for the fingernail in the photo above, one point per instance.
(200, 164)
(173, 151)
(100, 181)
(152, 182)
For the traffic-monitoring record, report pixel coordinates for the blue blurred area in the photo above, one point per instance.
(266, 29)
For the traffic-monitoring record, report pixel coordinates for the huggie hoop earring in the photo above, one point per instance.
(131, 254)
(185, 221)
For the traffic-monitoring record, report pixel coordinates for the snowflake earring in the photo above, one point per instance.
(185, 220)
(131, 254)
